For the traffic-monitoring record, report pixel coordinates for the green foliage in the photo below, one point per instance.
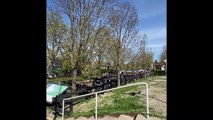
(56, 70)
(66, 68)
(59, 79)
(78, 78)
(159, 72)
(110, 71)
(90, 72)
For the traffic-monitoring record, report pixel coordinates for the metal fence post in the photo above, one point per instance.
(147, 101)
(63, 110)
(96, 105)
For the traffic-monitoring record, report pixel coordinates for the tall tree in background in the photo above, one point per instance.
(143, 57)
(93, 33)
(148, 58)
(123, 21)
(84, 17)
(55, 33)
(142, 52)
(102, 43)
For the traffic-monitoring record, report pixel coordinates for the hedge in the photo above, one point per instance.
(110, 71)
(159, 72)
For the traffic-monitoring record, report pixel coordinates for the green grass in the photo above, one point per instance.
(123, 90)
(59, 79)
(119, 105)
(116, 103)
(123, 105)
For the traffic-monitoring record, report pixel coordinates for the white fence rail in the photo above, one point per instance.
(96, 98)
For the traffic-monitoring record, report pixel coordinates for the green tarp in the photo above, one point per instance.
(53, 90)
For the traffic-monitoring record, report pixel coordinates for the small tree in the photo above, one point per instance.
(123, 22)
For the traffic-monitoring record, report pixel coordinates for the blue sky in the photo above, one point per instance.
(152, 17)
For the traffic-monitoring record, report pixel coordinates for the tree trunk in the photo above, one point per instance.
(74, 80)
(99, 66)
(118, 66)
(52, 68)
(118, 75)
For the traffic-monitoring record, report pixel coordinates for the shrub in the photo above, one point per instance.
(159, 72)
(110, 71)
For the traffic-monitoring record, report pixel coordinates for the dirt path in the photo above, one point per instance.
(157, 96)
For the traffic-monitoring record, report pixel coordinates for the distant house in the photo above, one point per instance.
(156, 65)
(107, 66)
(57, 63)
(163, 65)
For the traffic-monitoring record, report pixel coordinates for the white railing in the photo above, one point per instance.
(96, 98)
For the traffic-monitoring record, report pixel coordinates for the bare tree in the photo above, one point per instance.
(142, 52)
(84, 18)
(55, 33)
(142, 56)
(137, 55)
(148, 58)
(102, 44)
(123, 21)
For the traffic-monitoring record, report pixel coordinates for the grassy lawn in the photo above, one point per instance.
(115, 102)
(121, 102)
(59, 79)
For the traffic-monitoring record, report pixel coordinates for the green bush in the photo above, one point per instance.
(159, 72)
(110, 71)
(79, 78)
